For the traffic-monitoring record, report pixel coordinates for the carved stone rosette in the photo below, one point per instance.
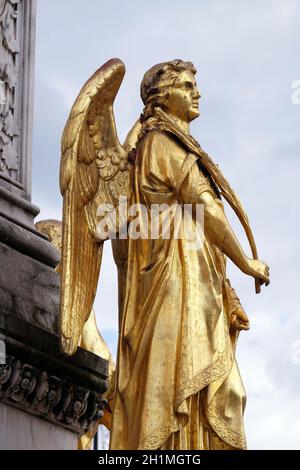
(55, 399)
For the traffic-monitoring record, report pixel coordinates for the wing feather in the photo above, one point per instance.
(91, 157)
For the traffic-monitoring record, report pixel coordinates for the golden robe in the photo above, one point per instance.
(178, 385)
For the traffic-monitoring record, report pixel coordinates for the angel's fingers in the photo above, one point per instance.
(241, 314)
(241, 326)
(244, 326)
(264, 279)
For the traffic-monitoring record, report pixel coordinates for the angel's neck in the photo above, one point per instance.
(183, 125)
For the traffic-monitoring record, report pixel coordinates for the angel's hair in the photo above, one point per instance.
(157, 82)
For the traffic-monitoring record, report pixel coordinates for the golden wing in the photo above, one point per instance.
(93, 171)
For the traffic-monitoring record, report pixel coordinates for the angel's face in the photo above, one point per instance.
(183, 98)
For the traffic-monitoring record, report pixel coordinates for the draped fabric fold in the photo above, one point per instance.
(178, 384)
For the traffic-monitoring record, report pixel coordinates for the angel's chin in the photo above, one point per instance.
(194, 113)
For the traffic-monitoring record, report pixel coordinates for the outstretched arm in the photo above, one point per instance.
(218, 229)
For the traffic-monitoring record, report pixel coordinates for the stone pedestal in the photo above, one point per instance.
(30, 432)
(46, 399)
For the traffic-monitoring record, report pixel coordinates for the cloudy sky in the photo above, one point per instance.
(247, 57)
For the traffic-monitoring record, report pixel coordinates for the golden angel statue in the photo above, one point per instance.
(177, 383)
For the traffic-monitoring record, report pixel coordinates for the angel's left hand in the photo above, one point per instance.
(239, 320)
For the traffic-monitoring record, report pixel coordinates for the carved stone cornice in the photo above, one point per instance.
(39, 380)
(50, 397)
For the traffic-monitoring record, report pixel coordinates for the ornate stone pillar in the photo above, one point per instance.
(46, 399)
(17, 36)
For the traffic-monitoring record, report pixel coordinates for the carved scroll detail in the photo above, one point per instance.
(55, 399)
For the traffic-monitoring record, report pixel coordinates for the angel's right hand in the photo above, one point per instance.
(259, 270)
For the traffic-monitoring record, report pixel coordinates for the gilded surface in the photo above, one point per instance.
(177, 381)
(91, 158)
(90, 339)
